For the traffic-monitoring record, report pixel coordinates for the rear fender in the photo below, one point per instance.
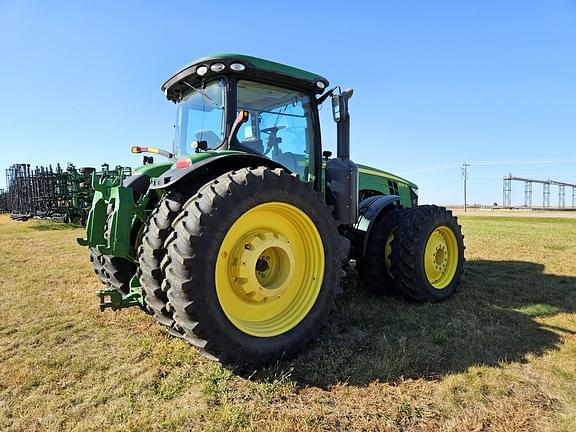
(201, 172)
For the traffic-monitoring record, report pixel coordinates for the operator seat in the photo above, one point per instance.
(253, 145)
(209, 136)
(288, 159)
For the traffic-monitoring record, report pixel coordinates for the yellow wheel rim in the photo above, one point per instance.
(269, 269)
(441, 257)
(388, 252)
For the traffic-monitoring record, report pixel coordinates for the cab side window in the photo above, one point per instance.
(279, 126)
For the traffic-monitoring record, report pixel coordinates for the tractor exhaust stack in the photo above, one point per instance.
(341, 172)
(342, 119)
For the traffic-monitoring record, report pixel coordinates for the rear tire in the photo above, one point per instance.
(427, 254)
(118, 272)
(152, 253)
(272, 310)
(113, 271)
(95, 259)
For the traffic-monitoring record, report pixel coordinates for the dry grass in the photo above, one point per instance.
(501, 355)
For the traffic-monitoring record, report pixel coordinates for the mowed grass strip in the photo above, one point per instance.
(500, 355)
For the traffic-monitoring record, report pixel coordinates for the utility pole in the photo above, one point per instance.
(465, 176)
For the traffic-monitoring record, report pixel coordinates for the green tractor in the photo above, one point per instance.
(237, 242)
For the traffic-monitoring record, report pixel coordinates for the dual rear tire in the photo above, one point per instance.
(248, 269)
(153, 258)
(112, 271)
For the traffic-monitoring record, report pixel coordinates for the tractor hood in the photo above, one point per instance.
(376, 172)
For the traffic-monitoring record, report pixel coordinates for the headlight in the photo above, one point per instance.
(217, 67)
(237, 67)
(202, 70)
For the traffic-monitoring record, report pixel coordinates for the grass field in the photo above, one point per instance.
(500, 355)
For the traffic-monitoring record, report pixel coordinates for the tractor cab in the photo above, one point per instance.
(280, 101)
(231, 102)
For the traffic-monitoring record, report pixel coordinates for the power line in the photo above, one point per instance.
(495, 162)
(522, 162)
(465, 176)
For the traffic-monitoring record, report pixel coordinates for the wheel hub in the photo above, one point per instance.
(440, 257)
(263, 267)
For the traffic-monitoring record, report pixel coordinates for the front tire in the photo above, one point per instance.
(254, 267)
(427, 254)
(375, 270)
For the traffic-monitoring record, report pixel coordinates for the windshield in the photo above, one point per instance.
(279, 127)
(200, 118)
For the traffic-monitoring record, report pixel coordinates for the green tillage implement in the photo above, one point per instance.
(47, 193)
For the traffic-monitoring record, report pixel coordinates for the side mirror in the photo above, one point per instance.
(336, 107)
(340, 104)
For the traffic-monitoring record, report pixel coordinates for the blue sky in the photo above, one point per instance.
(436, 83)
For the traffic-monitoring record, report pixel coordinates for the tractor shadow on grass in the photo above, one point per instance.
(492, 319)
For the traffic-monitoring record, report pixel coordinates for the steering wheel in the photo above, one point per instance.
(272, 129)
(271, 142)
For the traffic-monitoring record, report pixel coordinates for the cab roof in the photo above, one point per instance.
(255, 68)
